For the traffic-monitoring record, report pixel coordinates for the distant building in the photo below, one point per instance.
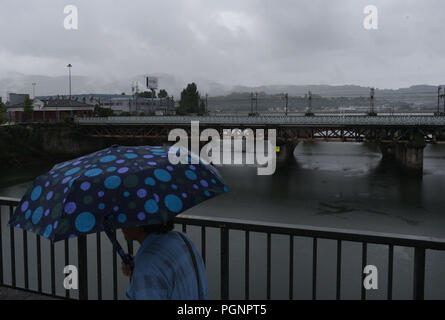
(126, 103)
(17, 98)
(47, 110)
(140, 106)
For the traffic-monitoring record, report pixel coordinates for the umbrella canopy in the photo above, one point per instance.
(114, 188)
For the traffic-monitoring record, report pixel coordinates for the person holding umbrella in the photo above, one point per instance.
(138, 190)
(166, 267)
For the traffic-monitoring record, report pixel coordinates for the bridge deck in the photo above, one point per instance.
(404, 121)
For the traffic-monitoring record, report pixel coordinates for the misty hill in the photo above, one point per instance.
(418, 95)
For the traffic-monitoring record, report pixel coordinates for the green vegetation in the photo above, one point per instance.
(149, 94)
(52, 142)
(103, 112)
(163, 94)
(28, 108)
(18, 145)
(146, 94)
(2, 112)
(191, 102)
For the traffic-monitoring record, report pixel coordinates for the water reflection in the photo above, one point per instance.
(329, 184)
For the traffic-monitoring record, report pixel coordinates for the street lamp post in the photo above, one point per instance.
(69, 70)
(34, 90)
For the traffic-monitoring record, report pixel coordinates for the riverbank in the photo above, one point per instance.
(24, 145)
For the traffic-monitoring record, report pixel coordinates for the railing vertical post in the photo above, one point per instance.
(39, 263)
(12, 244)
(224, 263)
(419, 274)
(1, 248)
(25, 258)
(99, 266)
(82, 267)
(67, 259)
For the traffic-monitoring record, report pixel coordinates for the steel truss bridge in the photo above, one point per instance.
(385, 129)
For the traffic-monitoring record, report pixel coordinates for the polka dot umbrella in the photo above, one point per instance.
(112, 189)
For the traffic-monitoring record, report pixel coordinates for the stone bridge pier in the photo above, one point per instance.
(285, 152)
(408, 154)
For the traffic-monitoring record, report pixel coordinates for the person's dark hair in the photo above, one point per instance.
(159, 228)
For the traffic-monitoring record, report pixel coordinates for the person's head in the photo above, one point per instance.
(140, 233)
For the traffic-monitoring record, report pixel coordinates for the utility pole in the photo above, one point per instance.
(252, 99)
(137, 93)
(34, 90)
(443, 97)
(309, 112)
(372, 112)
(207, 104)
(310, 102)
(286, 96)
(153, 92)
(69, 69)
(438, 99)
(134, 97)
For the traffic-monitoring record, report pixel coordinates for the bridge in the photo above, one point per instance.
(402, 137)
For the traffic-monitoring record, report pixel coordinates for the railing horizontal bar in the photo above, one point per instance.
(36, 292)
(5, 201)
(431, 243)
(315, 232)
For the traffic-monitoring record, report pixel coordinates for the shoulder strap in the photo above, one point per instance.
(195, 264)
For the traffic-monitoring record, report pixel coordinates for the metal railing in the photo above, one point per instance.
(399, 120)
(225, 226)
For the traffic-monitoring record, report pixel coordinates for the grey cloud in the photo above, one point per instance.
(249, 42)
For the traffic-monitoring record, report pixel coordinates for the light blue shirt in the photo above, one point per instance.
(163, 270)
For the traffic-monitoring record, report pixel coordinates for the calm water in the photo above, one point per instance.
(332, 185)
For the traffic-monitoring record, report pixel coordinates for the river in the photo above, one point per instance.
(335, 185)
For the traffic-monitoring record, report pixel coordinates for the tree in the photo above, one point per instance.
(163, 94)
(2, 112)
(28, 108)
(146, 94)
(202, 108)
(103, 112)
(190, 100)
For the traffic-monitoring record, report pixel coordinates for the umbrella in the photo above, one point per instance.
(115, 188)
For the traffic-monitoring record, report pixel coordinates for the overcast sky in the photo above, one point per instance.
(240, 42)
